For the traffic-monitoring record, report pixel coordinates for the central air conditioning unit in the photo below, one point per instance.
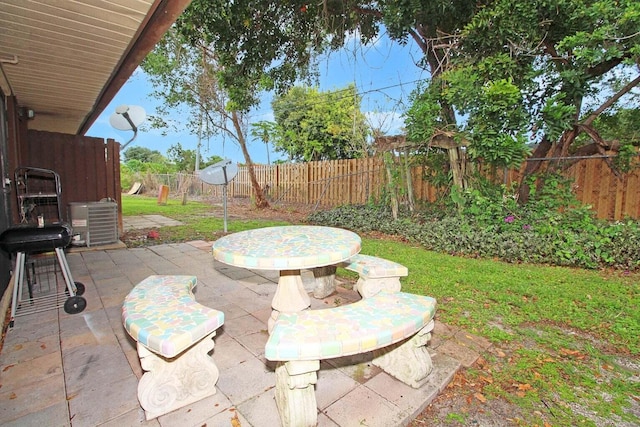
(94, 223)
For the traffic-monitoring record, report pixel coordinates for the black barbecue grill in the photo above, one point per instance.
(28, 239)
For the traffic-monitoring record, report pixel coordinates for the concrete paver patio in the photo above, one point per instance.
(58, 369)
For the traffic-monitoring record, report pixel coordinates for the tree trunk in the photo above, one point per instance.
(391, 186)
(261, 202)
(533, 167)
(407, 171)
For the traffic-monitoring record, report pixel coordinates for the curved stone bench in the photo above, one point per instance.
(395, 326)
(376, 274)
(174, 335)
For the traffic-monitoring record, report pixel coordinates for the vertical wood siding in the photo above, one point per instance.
(89, 167)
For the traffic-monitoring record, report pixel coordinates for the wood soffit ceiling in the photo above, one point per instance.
(66, 59)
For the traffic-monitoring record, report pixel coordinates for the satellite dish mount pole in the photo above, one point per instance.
(220, 174)
(224, 196)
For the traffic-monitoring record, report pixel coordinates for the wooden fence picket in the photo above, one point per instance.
(358, 181)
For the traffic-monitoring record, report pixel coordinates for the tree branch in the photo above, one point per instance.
(603, 67)
(419, 40)
(611, 101)
(555, 57)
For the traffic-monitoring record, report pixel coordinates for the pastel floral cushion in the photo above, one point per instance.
(366, 325)
(371, 266)
(162, 314)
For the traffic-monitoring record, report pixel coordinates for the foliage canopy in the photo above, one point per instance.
(526, 77)
(313, 125)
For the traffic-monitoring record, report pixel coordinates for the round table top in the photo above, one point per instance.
(292, 247)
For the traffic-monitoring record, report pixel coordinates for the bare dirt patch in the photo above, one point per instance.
(242, 208)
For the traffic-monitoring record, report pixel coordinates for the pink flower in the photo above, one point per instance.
(509, 219)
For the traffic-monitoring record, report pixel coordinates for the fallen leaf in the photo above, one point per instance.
(486, 379)
(480, 397)
(524, 387)
(572, 353)
(235, 422)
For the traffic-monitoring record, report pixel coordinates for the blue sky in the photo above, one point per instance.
(384, 73)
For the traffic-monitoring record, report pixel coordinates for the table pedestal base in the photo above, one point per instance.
(290, 296)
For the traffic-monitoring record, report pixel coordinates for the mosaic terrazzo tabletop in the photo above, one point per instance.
(292, 247)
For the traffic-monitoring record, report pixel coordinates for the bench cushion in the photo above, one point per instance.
(366, 325)
(374, 267)
(162, 314)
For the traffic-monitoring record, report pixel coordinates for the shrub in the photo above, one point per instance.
(527, 234)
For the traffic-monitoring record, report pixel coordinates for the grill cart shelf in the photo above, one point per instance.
(38, 193)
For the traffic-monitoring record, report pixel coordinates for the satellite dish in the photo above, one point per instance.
(220, 173)
(128, 117)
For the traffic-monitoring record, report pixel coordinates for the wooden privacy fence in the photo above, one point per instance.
(89, 167)
(359, 181)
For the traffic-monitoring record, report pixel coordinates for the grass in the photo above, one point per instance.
(566, 333)
(200, 222)
(567, 339)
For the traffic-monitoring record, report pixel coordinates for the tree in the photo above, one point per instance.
(143, 154)
(265, 131)
(313, 125)
(569, 61)
(186, 76)
(185, 160)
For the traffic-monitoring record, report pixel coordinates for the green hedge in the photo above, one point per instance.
(568, 239)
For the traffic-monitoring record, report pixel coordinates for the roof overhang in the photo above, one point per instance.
(65, 61)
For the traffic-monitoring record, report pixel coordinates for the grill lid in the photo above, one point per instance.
(34, 239)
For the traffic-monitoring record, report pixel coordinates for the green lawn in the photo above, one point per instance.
(568, 338)
(200, 221)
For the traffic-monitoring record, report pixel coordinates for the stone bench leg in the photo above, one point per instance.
(408, 361)
(170, 384)
(368, 287)
(295, 393)
(325, 278)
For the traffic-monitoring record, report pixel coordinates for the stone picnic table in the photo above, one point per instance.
(287, 249)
